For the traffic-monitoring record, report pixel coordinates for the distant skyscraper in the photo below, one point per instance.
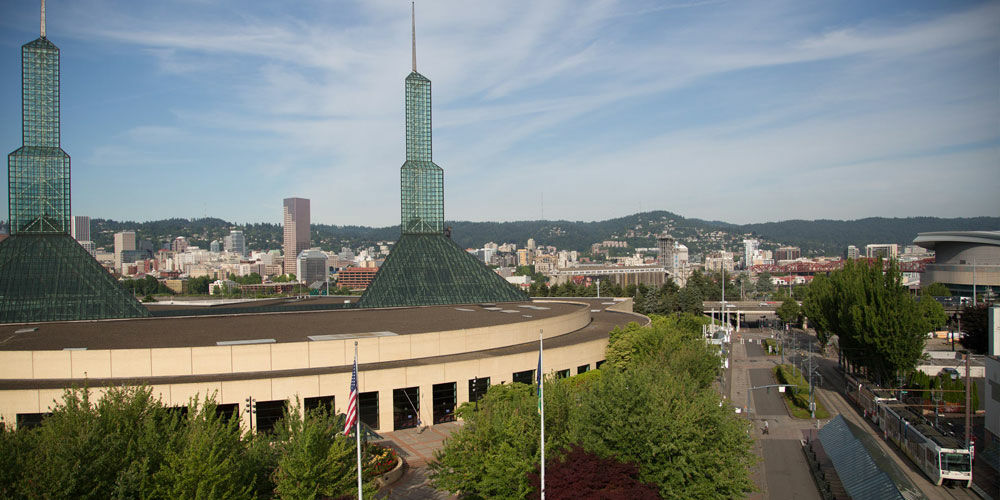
(787, 253)
(236, 243)
(214, 246)
(46, 275)
(311, 267)
(124, 242)
(81, 227)
(425, 266)
(296, 216)
(665, 243)
(852, 252)
(750, 247)
(883, 250)
(179, 245)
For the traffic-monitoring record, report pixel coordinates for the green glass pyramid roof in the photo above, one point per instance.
(431, 269)
(50, 277)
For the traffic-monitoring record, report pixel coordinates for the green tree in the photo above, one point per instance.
(690, 300)
(99, 450)
(789, 311)
(975, 325)
(208, 462)
(199, 285)
(932, 311)
(880, 327)
(497, 447)
(764, 285)
(936, 290)
(819, 308)
(317, 461)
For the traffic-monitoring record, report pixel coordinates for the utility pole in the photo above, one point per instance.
(968, 401)
(812, 391)
(781, 335)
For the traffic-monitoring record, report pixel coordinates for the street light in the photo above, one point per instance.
(251, 409)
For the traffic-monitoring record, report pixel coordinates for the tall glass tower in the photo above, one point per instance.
(421, 181)
(45, 275)
(425, 266)
(38, 171)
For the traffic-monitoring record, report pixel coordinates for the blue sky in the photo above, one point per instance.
(743, 111)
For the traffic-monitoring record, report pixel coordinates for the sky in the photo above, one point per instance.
(740, 111)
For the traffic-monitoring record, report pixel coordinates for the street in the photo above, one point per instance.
(783, 471)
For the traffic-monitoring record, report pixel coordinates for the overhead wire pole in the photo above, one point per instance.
(541, 410)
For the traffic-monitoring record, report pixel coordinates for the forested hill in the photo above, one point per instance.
(820, 237)
(826, 233)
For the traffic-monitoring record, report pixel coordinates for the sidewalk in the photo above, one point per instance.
(417, 447)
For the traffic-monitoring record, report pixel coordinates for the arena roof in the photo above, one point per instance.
(273, 327)
(929, 240)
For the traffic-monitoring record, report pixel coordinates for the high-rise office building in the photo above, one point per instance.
(81, 228)
(311, 267)
(45, 275)
(179, 245)
(236, 243)
(883, 250)
(124, 242)
(787, 253)
(750, 248)
(852, 252)
(425, 266)
(665, 243)
(296, 217)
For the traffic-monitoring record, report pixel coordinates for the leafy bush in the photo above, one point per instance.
(580, 474)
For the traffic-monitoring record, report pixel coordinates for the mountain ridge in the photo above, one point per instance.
(814, 237)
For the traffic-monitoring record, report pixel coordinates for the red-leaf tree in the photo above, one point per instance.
(579, 474)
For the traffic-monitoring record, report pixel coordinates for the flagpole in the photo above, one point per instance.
(541, 403)
(357, 422)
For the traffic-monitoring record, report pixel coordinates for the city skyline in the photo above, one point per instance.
(831, 111)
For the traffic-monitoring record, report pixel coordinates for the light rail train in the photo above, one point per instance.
(943, 458)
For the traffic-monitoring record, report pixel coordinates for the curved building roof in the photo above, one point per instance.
(928, 240)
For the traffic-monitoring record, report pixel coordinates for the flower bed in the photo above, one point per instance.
(380, 459)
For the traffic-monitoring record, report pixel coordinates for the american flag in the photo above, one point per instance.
(352, 403)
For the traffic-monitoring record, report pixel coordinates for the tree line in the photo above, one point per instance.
(127, 444)
(881, 328)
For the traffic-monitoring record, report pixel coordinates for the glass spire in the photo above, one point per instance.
(421, 181)
(38, 172)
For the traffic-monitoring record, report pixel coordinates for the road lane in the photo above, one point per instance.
(766, 402)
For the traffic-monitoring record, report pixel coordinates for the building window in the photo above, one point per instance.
(268, 414)
(599, 363)
(227, 411)
(583, 369)
(477, 388)
(30, 420)
(525, 377)
(562, 373)
(320, 402)
(181, 411)
(444, 397)
(368, 409)
(405, 408)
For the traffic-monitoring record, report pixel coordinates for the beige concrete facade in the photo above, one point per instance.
(291, 370)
